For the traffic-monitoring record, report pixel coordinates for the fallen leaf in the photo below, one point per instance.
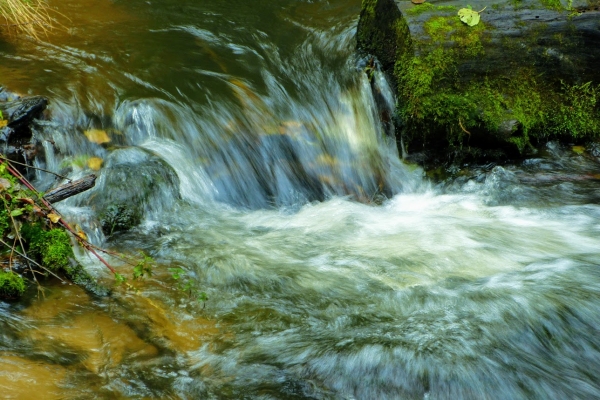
(4, 184)
(95, 163)
(80, 232)
(26, 200)
(97, 136)
(578, 149)
(3, 123)
(469, 16)
(16, 212)
(53, 217)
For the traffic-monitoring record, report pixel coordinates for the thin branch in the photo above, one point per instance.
(18, 237)
(33, 261)
(38, 168)
(12, 252)
(463, 128)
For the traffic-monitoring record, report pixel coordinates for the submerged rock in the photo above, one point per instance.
(133, 183)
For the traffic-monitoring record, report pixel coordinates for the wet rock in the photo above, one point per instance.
(528, 70)
(16, 136)
(79, 276)
(23, 111)
(134, 183)
(118, 218)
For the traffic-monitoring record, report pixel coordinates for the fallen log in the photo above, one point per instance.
(70, 189)
(527, 71)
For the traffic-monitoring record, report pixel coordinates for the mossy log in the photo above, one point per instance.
(528, 71)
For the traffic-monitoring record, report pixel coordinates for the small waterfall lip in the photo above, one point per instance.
(194, 184)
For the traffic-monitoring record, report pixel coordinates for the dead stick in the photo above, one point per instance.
(70, 189)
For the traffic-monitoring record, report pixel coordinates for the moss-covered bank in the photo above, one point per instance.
(526, 73)
(32, 236)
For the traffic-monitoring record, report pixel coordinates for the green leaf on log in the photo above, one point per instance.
(469, 16)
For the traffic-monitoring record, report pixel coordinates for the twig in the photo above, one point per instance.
(33, 261)
(38, 168)
(12, 252)
(18, 237)
(463, 128)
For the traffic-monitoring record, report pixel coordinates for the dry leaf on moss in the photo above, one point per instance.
(53, 217)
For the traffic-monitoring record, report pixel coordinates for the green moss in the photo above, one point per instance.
(420, 9)
(440, 27)
(52, 247)
(446, 8)
(4, 221)
(427, 7)
(119, 218)
(12, 285)
(578, 114)
(435, 100)
(555, 4)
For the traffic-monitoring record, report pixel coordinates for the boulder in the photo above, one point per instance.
(528, 71)
(133, 184)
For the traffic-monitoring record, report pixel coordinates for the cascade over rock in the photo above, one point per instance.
(526, 72)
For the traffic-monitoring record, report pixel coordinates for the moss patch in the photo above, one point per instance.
(52, 247)
(119, 218)
(428, 7)
(12, 285)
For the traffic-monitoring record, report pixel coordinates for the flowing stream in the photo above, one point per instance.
(247, 137)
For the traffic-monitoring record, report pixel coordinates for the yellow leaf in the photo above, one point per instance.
(53, 217)
(97, 136)
(95, 163)
(578, 149)
(3, 123)
(80, 232)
